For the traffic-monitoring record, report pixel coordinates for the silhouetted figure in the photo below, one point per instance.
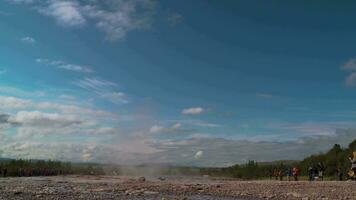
(270, 173)
(289, 173)
(4, 172)
(340, 174)
(311, 173)
(295, 172)
(275, 173)
(321, 170)
(280, 174)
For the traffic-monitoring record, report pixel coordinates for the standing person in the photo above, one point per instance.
(270, 173)
(321, 169)
(280, 174)
(275, 173)
(353, 164)
(289, 173)
(310, 173)
(340, 174)
(295, 172)
(5, 172)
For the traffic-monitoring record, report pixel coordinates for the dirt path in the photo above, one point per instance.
(109, 187)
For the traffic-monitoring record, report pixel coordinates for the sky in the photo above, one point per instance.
(203, 83)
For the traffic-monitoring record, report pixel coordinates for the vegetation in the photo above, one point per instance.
(45, 168)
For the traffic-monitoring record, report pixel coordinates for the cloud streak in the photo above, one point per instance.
(65, 66)
(193, 111)
(28, 40)
(104, 89)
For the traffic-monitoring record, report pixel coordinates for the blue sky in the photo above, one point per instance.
(175, 81)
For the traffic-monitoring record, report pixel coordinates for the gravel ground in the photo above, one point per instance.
(116, 187)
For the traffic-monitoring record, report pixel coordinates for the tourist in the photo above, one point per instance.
(280, 174)
(353, 165)
(321, 169)
(340, 174)
(295, 172)
(289, 173)
(311, 173)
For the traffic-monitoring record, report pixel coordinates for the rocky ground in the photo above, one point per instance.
(116, 187)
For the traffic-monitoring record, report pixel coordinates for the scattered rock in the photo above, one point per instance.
(142, 179)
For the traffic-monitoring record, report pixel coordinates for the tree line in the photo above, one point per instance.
(20, 167)
(335, 161)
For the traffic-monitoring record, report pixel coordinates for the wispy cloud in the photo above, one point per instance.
(115, 18)
(350, 66)
(28, 40)
(176, 129)
(104, 89)
(19, 92)
(174, 19)
(264, 95)
(65, 66)
(193, 111)
(21, 1)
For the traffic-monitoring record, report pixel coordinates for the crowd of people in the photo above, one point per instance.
(290, 173)
(21, 172)
(315, 172)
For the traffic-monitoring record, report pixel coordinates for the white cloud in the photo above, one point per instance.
(67, 97)
(65, 66)
(28, 40)
(22, 1)
(115, 18)
(176, 125)
(350, 65)
(174, 19)
(198, 155)
(13, 103)
(18, 92)
(124, 16)
(208, 125)
(351, 79)
(78, 68)
(41, 119)
(193, 111)
(175, 129)
(156, 129)
(264, 95)
(66, 13)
